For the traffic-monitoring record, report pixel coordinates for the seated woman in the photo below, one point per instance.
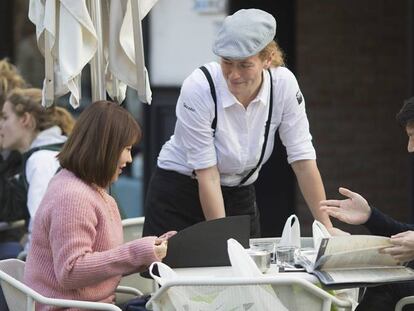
(10, 165)
(37, 133)
(77, 243)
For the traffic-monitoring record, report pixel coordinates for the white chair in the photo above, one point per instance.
(296, 294)
(403, 302)
(133, 230)
(21, 297)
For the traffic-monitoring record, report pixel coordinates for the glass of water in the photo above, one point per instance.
(285, 256)
(264, 246)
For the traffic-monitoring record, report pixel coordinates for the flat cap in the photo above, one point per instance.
(244, 34)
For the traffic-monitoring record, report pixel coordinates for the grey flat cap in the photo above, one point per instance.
(244, 34)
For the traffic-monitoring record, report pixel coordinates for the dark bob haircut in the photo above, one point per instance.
(100, 134)
(406, 114)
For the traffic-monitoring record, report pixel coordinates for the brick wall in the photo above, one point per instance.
(352, 66)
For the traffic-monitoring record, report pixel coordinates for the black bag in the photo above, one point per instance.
(13, 190)
(137, 304)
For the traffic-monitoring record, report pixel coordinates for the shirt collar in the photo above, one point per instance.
(229, 99)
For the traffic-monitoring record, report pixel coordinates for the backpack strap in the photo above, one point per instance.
(28, 154)
(213, 95)
(266, 134)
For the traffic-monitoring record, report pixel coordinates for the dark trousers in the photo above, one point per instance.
(173, 203)
(385, 297)
(10, 250)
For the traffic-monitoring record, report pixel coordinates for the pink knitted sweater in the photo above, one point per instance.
(77, 249)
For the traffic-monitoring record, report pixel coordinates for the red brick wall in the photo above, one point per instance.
(352, 65)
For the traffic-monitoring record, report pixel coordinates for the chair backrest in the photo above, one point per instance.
(403, 302)
(20, 297)
(11, 278)
(132, 228)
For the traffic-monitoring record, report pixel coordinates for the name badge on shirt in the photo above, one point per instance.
(299, 97)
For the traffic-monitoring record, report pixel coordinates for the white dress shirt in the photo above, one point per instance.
(237, 145)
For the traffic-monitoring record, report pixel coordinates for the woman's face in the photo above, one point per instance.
(244, 77)
(122, 162)
(13, 131)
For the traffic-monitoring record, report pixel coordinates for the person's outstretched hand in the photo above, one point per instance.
(354, 210)
(403, 248)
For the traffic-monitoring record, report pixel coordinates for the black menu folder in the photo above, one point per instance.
(205, 244)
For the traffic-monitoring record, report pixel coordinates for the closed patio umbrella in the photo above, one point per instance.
(107, 34)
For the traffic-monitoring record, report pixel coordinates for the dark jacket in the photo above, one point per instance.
(381, 224)
(12, 199)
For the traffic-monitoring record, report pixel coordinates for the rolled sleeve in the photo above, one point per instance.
(195, 113)
(294, 127)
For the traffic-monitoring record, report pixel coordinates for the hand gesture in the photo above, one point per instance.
(403, 246)
(166, 235)
(354, 210)
(161, 244)
(160, 249)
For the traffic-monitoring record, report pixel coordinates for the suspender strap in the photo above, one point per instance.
(213, 95)
(266, 134)
(267, 128)
(26, 156)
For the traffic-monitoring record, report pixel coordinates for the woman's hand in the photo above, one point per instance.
(354, 210)
(403, 246)
(160, 249)
(166, 235)
(161, 244)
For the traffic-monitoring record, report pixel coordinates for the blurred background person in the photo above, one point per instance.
(10, 167)
(37, 133)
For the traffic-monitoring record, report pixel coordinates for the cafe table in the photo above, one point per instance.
(298, 291)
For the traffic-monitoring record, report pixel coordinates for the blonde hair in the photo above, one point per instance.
(9, 79)
(278, 55)
(30, 101)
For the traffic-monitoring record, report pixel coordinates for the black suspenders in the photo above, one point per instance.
(213, 94)
(267, 128)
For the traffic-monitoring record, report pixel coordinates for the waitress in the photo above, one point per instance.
(227, 117)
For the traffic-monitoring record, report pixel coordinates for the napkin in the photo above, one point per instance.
(319, 232)
(242, 264)
(291, 232)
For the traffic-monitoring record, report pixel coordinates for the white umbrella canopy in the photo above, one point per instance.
(107, 34)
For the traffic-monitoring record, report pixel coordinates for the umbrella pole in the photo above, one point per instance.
(49, 87)
(98, 89)
(139, 48)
